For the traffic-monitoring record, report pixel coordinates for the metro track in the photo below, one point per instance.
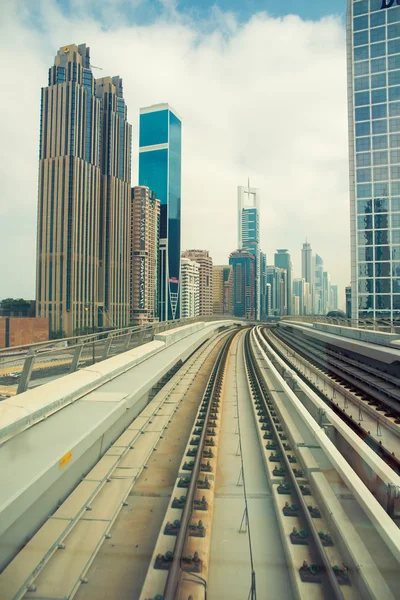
(378, 387)
(366, 396)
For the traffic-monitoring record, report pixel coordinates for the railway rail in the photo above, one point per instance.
(320, 570)
(364, 399)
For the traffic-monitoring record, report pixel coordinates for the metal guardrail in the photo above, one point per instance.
(21, 366)
(380, 325)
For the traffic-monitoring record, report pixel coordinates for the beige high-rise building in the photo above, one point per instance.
(206, 279)
(82, 275)
(144, 259)
(222, 289)
(190, 285)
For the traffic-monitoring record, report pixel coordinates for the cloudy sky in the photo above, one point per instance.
(261, 89)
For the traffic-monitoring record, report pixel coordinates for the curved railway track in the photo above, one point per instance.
(341, 377)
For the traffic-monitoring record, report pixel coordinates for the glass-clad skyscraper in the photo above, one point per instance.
(249, 232)
(373, 50)
(160, 170)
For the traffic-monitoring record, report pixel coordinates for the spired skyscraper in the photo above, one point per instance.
(160, 170)
(82, 273)
(373, 57)
(249, 233)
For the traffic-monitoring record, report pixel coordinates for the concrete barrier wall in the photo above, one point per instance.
(363, 335)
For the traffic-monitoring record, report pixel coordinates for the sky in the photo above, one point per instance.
(260, 86)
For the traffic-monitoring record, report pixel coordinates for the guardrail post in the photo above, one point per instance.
(76, 358)
(26, 373)
(107, 347)
(127, 341)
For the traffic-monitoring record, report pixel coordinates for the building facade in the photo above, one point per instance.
(306, 263)
(249, 232)
(348, 301)
(190, 288)
(160, 170)
(334, 297)
(203, 258)
(273, 279)
(222, 289)
(115, 199)
(283, 261)
(373, 59)
(263, 285)
(299, 291)
(144, 256)
(244, 268)
(82, 266)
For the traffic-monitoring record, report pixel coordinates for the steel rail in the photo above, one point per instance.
(390, 459)
(175, 571)
(330, 583)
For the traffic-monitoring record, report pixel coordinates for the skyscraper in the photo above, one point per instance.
(318, 284)
(283, 261)
(190, 288)
(145, 222)
(160, 170)
(273, 279)
(115, 199)
(243, 263)
(373, 59)
(263, 285)
(203, 258)
(82, 273)
(299, 291)
(222, 289)
(249, 231)
(306, 263)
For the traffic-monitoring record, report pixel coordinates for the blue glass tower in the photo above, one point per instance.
(373, 59)
(249, 233)
(160, 170)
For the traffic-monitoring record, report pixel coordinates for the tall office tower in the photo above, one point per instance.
(222, 289)
(273, 278)
(348, 301)
(206, 279)
(283, 291)
(306, 263)
(318, 285)
(334, 298)
(115, 199)
(190, 288)
(308, 308)
(82, 276)
(249, 231)
(145, 224)
(283, 261)
(299, 291)
(373, 58)
(268, 306)
(263, 284)
(326, 292)
(243, 264)
(160, 170)
(296, 305)
(68, 252)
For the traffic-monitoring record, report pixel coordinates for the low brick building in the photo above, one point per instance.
(21, 331)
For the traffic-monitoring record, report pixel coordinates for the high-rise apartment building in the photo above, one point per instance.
(249, 232)
(373, 59)
(334, 298)
(283, 261)
(203, 258)
(190, 288)
(222, 289)
(82, 273)
(318, 285)
(243, 264)
(160, 170)
(306, 263)
(145, 223)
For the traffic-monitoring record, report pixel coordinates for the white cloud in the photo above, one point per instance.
(265, 99)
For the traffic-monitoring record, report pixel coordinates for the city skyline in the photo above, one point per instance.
(282, 224)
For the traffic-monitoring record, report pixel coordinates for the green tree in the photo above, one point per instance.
(15, 304)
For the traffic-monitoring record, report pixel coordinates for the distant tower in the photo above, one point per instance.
(160, 170)
(249, 232)
(243, 263)
(306, 263)
(283, 261)
(203, 258)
